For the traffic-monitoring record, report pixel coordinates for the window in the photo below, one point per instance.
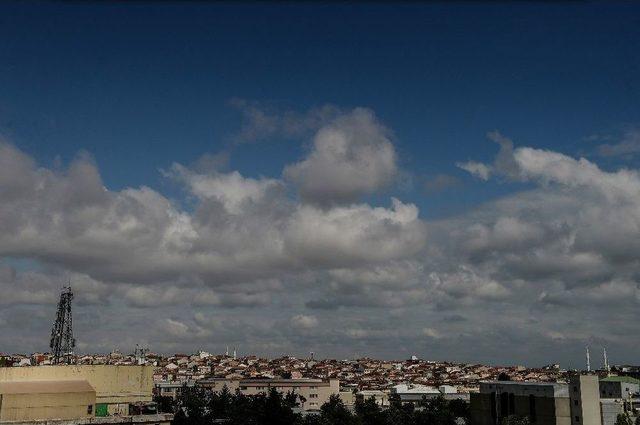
(532, 408)
(577, 418)
(575, 402)
(313, 395)
(504, 404)
(494, 407)
(90, 409)
(512, 404)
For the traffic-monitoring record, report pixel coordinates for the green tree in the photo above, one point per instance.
(191, 406)
(399, 413)
(435, 411)
(369, 412)
(334, 412)
(165, 403)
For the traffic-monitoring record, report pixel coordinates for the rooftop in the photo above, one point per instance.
(45, 387)
(627, 379)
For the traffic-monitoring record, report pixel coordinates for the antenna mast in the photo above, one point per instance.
(62, 341)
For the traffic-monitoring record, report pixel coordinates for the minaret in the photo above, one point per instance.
(606, 361)
(588, 361)
(226, 353)
(234, 353)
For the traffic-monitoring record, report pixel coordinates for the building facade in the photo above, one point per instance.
(584, 395)
(72, 392)
(313, 392)
(542, 402)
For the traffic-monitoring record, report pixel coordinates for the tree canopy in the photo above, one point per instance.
(201, 406)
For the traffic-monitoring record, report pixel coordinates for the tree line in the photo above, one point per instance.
(202, 406)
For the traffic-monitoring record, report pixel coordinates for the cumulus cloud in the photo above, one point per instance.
(347, 235)
(232, 190)
(257, 268)
(240, 229)
(238, 243)
(351, 156)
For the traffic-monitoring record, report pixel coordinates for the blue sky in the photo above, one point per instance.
(140, 86)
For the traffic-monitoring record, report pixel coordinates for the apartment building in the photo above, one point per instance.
(542, 402)
(313, 392)
(584, 395)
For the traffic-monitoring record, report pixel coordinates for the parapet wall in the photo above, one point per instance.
(113, 384)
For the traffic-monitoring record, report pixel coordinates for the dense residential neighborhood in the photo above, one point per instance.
(355, 375)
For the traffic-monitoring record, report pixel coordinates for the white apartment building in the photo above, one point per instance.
(313, 392)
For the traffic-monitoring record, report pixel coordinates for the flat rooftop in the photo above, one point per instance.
(536, 388)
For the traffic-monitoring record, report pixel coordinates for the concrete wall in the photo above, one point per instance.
(584, 392)
(116, 386)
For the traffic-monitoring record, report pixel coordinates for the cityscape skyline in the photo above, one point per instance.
(363, 180)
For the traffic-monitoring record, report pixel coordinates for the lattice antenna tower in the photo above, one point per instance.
(62, 341)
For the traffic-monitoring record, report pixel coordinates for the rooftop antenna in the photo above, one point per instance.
(62, 342)
(606, 361)
(588, 360)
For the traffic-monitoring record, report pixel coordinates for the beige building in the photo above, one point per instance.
(584, 393)
(32, 400)
(380, 397)
(314, 392)
(59, 392)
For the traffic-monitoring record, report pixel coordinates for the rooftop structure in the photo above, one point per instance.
(108, 390)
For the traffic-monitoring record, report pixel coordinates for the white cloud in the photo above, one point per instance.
(355, 234)
(302, 321)
(431, 333)
(351, 156)
(231, 189)
(477, 169)
(560, 256)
